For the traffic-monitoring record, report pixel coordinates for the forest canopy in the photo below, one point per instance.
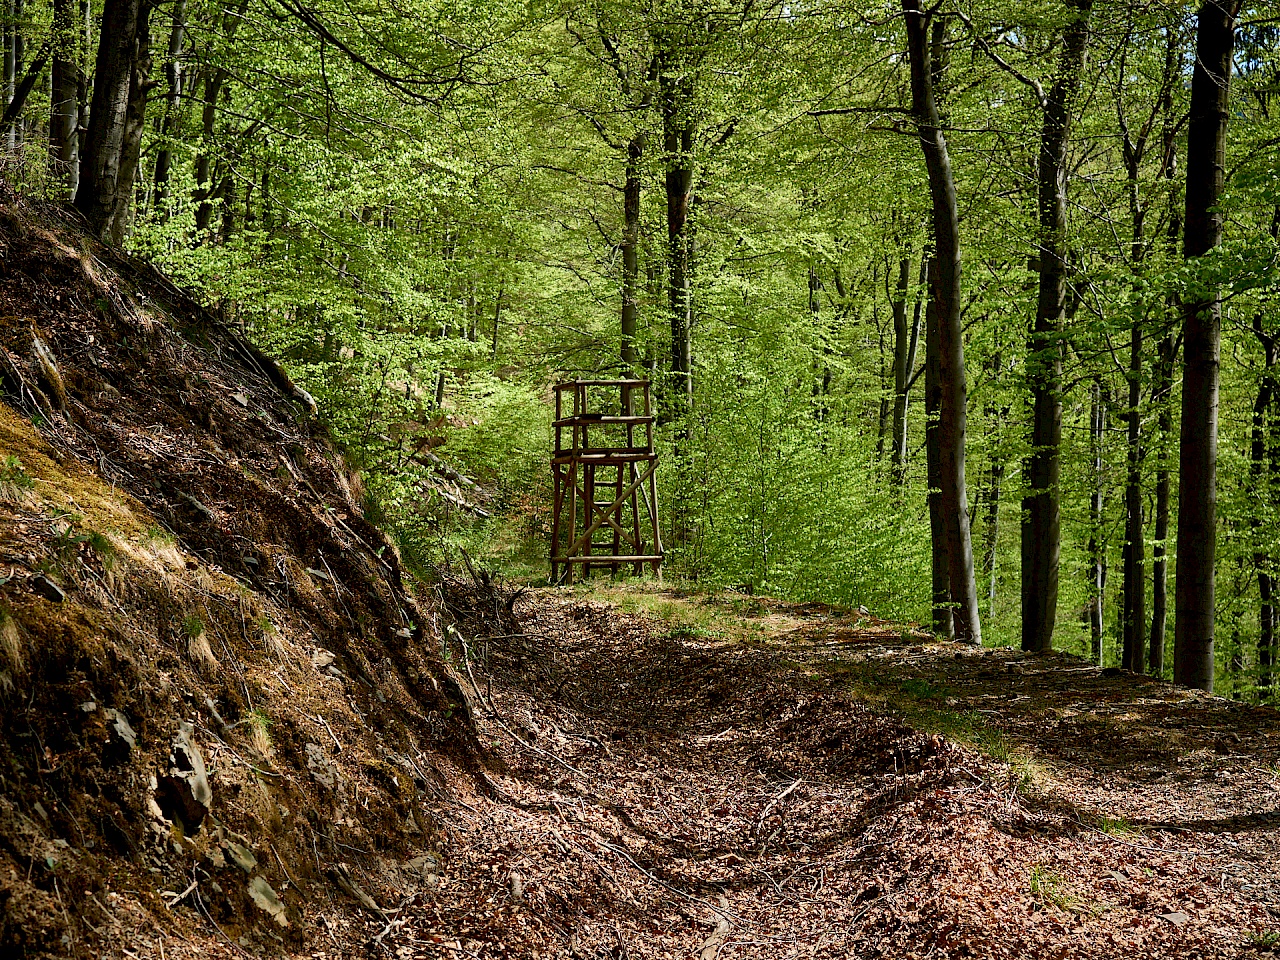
(1022, 254)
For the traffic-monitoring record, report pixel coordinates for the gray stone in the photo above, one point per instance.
(183, 793)
(241, 855)
(121, 728)
(46, 588)
(322, 768)
(268, 900)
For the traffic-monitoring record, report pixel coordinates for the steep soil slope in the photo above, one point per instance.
(218, 701)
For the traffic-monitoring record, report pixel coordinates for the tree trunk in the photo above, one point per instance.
(1042, 504)
(1162, 376)
(99, 192)
(10, 67)
(943, 624)
(140, 85)
(1097, 507)
(945, 295)
(1161, 386)
(1193, 664)
(905, 340)
(1097, 510)
(1262, 457)
(678, 129)
(631, 255)
(14, 95)
(1133, 613)
(64, 108)
(9, 122)
(174, 78)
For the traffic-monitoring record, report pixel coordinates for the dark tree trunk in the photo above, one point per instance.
(678, 130)
(943, 623)
(906, 337)
(1193, 664)
(1042, 505)
(214, 82)
(174, 79)
(945, 296)
(1162, 383)
(1097, 511)
(64, 107)
(99, 192)
(205, 188)
(1133, 613)
(1262, 462)
(1162, 377)
(631, 255)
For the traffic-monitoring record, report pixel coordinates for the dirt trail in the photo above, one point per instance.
(787, 781)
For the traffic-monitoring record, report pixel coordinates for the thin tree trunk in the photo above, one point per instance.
(15, 97)
(1097, 510)
(1162, 376)
(64, 108)
(1162, 382)
(631, 255)
(678, 129)
(1262, 457)
(1193, 663)
(945, 291)
(1043, 502)
(174, 79)
(10, 67)
(9, 122)
(214, 81)
(1133, 609)
(905, 339)
(943, 623)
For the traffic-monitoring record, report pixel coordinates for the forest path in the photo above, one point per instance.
(737, 777)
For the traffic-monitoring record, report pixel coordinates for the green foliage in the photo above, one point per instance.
(15, 482)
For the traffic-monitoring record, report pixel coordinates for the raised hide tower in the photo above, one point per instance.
(606, 497)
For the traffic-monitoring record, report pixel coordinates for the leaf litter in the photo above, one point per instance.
(806, 790)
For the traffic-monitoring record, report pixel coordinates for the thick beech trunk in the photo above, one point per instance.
(945, 296)
(99, 193)
(1193, 664)
(140, 86)
(1042, 505)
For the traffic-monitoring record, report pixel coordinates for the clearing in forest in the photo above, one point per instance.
(683, 776)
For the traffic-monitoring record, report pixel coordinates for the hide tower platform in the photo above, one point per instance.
(605, 513)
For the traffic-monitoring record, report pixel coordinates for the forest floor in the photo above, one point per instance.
(724, 776)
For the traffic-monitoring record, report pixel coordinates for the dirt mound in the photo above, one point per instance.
(219, 701)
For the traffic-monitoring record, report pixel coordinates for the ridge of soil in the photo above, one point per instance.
(222, 708)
